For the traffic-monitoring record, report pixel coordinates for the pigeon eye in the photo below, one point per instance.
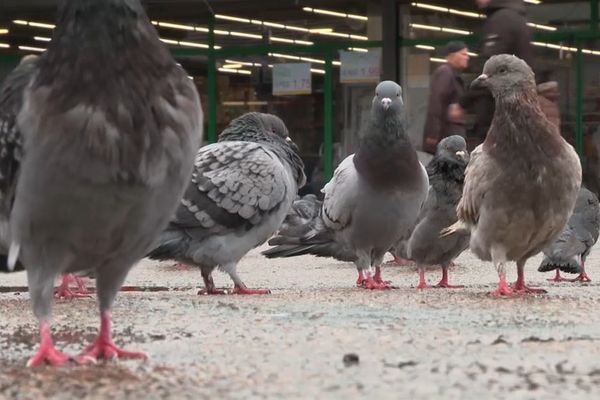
(502, 70)
(398, 94)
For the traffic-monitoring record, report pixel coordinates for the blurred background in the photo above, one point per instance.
(231, 48)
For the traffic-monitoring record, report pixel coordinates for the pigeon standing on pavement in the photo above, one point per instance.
(108, 150)
(373, 199)
(446, 179)
(569, 251)
(522, 182)
(241, 190)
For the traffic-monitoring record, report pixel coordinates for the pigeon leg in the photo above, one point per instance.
(444, 281)
(453, 264)
(108, 281)
(520, 286)
(209, 284)
(557, 277)
(422, 282)
(361, 278)
(400, 261)
(47, 352)
(104, 347)
(503, 289)
(239, 287)
(41, 285)
(377, 277)
(372, 284)
(583, 276)
(180, 267)
(63, 291)
(81, 286)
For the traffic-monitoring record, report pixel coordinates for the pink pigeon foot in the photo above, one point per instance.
(377, 277)
(244, 290)
(558, 278)
(583, 277)
(47, 352)
(104, 347)
(520, 287)
(503, 289)
(443, 283)
(63, 291)
(361, 279)
(400, 262)
(422, 283)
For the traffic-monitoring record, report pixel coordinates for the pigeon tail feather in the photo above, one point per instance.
(570, 266)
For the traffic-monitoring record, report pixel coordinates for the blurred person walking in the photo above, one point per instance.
(444, 116)
(504, 31)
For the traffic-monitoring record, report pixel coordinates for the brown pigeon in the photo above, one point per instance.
(522, 182)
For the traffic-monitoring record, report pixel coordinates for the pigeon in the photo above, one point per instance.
(11, 147)
(303, 211)
(522, 182)
(241, 190)
(446, 178)
(108, 149)
(569, 251)
(373, 198)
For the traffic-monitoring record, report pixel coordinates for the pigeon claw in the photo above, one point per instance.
(558, 278)
(372, 284)
(521, 288)
(583, 277)
(502, 291)
(213, 291)
(48, 355)
(106, 349)
(245, 290)
(400, 262)
(446, 285)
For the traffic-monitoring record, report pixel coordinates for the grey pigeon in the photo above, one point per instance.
(373, 199)
(446, 179)
(108, 150)
(11, 147)
(302, 212)
(569, 251)
(241, 190)
(522, 182)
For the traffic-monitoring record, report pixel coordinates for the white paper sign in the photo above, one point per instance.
(360, 67)
(292, 78)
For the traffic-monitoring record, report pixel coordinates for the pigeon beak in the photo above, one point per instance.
(386, 102)
(479, 82)
(463, 155)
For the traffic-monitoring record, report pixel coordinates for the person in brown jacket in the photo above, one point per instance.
(444, 116)
(504, 31)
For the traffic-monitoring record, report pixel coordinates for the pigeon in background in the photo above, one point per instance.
(522, 182)
(11, 147)
(302, 212)
(446, 179)
(569, 251)
(373, 199)
(108, 150)
(241, 190)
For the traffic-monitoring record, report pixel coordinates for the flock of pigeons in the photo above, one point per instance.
(97, 170)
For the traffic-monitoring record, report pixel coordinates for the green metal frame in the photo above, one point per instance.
(327, 51)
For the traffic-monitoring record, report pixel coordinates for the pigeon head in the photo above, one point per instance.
(505, 74)
(274, 124)
(587, 200)
(388, 99)
(453, 148)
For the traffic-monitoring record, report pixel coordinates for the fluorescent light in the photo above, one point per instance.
(472, 54)
(248, 35)
(440, 29)
(42, 38)
(175, 26)
(19, 22)
(29, 48)
(424, 47)
(565, 48)
(232, 66)
(3, 31)
(533, 1)
(286, 40)
(34, 24)
(317, 71)
(245, 63)
(318, 30)
(298, 58)
(437, 60)
(335, 13)
(187, 44)
(4, 46)
(230, 18)
(236, 71)
(542, 27)
(358, 49)
(244, 103)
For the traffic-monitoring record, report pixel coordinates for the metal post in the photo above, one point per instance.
(212, 82)
(579, 102)
(594, 15)
(328, 118)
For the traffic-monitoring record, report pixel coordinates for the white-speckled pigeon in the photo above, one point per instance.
(110, 125)
(373, 199)
(522, 182)
(446, 179)
(569, 251)
(241, 190)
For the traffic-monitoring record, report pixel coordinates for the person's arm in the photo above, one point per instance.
(440, 87)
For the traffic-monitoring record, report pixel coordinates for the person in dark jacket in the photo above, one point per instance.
(505, 30)
(444, 116)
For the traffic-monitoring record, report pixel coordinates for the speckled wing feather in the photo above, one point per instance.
(234, 186)
(479, 176)
(340, 195)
